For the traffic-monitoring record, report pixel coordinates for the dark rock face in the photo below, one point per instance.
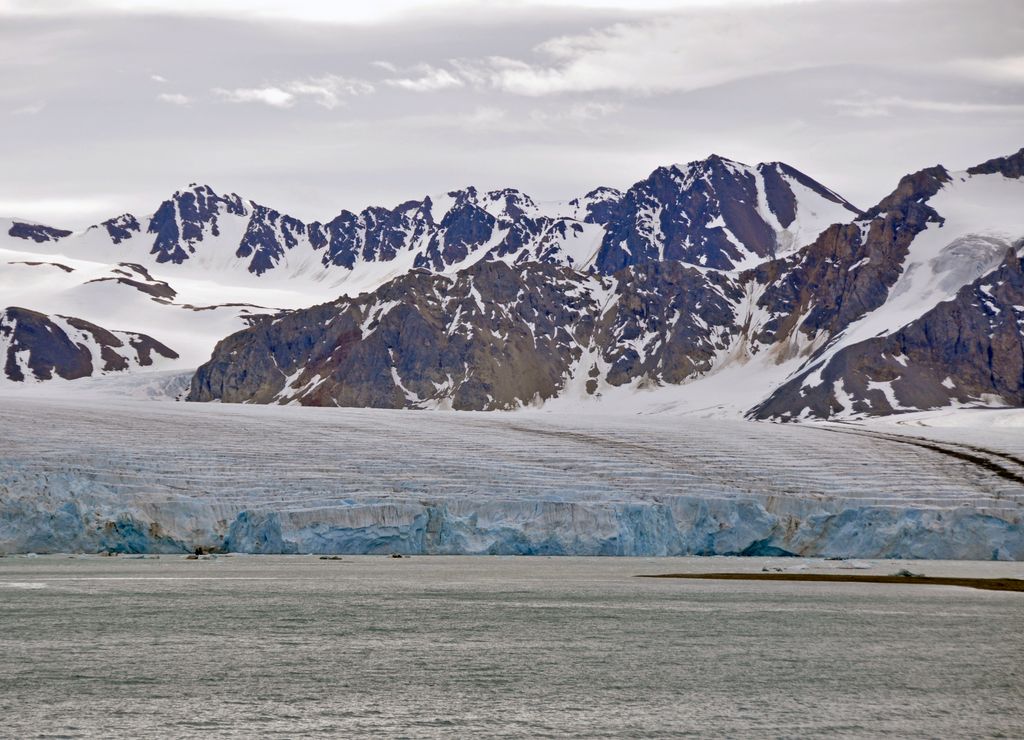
(599, 206)
(186, 218)
(36, 232)
(667, 323)
(122, 227)
(848, 271)
(374, 235)
(465, 225)
(491, 337)
(779, 194)
(505, 333)
(961, 350)
(50, 351)
(267, 237)
(37, 343)
(138, 277)
(419, 338)
(704, 213)
(1011, 166)
(58, 265)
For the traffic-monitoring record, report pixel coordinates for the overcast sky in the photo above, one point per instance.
(311, 106)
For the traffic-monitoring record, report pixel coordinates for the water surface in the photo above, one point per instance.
(461, 646)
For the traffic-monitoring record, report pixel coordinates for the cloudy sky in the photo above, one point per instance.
(315, 105)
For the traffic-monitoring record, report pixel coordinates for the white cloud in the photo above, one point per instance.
(577, 113)
(877, 107)
(28, 110)
(426, 78)
(497, 120)
(670, 54)
(331, 11)
(996, 69)
(701, 45)
(327, 91)
(158, 78)
(174, 98)
(46, 209)
(272, 96)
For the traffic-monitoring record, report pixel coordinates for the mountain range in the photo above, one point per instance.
(711, 286)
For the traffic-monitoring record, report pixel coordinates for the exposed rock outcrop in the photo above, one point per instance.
(491, 337)
(35, 346)
(713, 213)
(968, 350)
(498, 336)
(848, 271)
(36, 232)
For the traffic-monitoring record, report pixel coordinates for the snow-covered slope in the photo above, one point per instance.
(197, 268)
(36, 347)
(713, 212)
(705, 288)
(933, 268)
(126, 297)
(942, 303)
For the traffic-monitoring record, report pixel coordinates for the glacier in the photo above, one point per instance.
(108, 474)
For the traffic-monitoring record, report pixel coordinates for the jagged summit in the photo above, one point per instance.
(36, 232)
(714, 213)
(710, 161)
(488, 299)
(1011, 165)
(839, 327)
(719, 213)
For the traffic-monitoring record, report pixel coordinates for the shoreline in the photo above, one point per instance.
(986, 584)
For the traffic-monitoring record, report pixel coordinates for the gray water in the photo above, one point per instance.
(486, 647)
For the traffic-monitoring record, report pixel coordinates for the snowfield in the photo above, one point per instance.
(85, 472)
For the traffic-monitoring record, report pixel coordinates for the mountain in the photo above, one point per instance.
(709, 289)
(121, 299)
(203, 264)
(493, 336)
(33, 345)
(914, 304)
(715, 212)
(711, 286)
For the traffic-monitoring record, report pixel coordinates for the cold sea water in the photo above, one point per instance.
(269, 646)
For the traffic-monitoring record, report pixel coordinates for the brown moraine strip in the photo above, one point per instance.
(990, 584)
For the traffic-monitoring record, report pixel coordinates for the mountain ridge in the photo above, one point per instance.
(505, 222)
(695, 275)
(805, 303)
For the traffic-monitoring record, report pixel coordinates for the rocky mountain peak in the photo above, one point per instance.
(718, 213)
(510, 203)
(187, 217)
(914, 188)
(599, 206)
(120, 228)
(715, 213)
(36, 232)
(1008, 166)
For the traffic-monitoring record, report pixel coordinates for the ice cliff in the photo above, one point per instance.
(152, 477)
